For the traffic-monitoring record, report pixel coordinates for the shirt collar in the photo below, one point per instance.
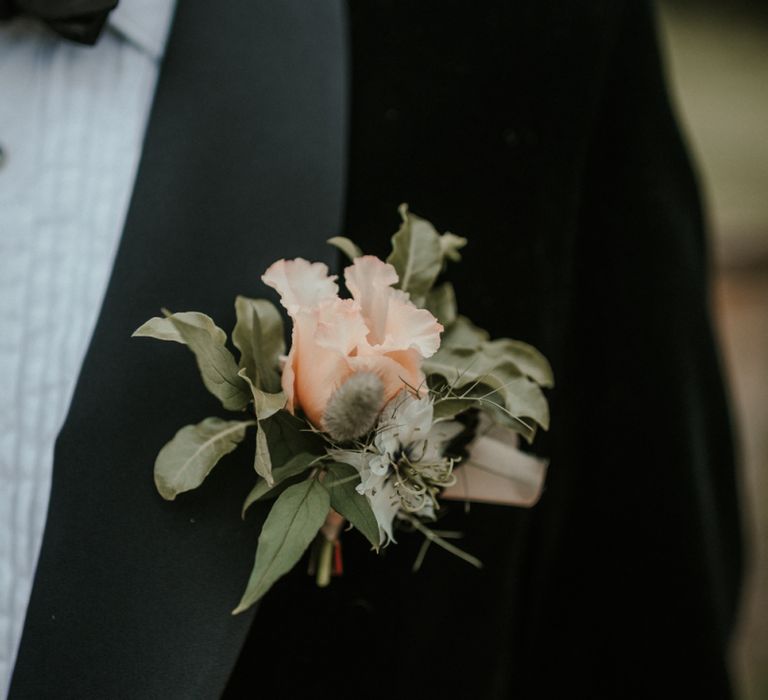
(145, 23)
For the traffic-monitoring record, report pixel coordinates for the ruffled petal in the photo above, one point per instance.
(340, 326)
(394, 322)
(300, 283)
(409, 327)
(370, 281)
(318, 370)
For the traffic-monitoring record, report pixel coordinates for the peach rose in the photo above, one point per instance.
(379, 330)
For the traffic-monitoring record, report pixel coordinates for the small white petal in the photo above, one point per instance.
(385, 504)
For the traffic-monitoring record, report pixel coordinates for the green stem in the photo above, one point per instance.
(440, 542)
(324, 561)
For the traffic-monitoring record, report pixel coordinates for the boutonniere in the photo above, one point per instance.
(387, 403)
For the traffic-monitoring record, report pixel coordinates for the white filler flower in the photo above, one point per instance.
(403, 467)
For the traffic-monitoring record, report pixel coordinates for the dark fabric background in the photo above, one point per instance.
(542, 132)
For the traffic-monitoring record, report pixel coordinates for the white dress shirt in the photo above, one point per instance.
(72, 121)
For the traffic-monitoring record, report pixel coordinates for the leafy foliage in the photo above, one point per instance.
(188, 458)
(259, 336)
(295, 518)
(464, 334)
(441, 303)
(265, 405)
(216, 364)
(207, 341)
(295, 466)
(502, 377)
(350, 249)
(341, 481)
(450, 245)
(416, 255)
(162, 328)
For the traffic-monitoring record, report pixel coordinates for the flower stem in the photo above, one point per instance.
(324, 563)
(440, 542)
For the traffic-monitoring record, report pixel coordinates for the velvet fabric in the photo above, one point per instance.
(542, 132)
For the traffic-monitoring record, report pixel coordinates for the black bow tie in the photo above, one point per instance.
(76, 20)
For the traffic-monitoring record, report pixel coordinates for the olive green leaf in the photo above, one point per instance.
(291, 525)
(184, 462)
(289, 436)
(527, 358)
(496, 384)
(447, 408)
(441, 303)
(163, 328)
(262, 463)
(462, 333)
(282, 475)
(216, 364)
(416, 255)
(350, 249)
(450, 245)
(264, 406)
(341, 481)
(259, 336)
(281, 437)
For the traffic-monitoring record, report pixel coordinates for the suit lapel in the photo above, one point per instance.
(243, 163)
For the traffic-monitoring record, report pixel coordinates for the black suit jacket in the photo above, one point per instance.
(541, 131)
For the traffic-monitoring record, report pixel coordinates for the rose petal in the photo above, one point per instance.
(340, 326)
(318, 370)
(300, 283)
(410, 327)
(370, 281)
(394, 322)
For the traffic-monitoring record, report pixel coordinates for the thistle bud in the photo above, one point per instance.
(354, 407)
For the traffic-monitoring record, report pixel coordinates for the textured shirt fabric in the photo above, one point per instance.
(72, 122)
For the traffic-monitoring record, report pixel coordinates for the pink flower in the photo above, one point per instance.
(379, 330)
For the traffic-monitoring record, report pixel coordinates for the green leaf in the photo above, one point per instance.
(289, 529)
(341, 480)
(259, 336)
(164, 329)
(184, 462)
(293, 467)
(265, 405)
(281, 437)
(416, 255)
(517, 403)
(450, 408)
(216, 364)
(350, 249)
(262, 462)
(467, 372)
(463, 334)
(450, 245)
(288, 436)
(526, 357)
(441, 303)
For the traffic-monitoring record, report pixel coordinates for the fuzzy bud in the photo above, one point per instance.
(354, 407)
